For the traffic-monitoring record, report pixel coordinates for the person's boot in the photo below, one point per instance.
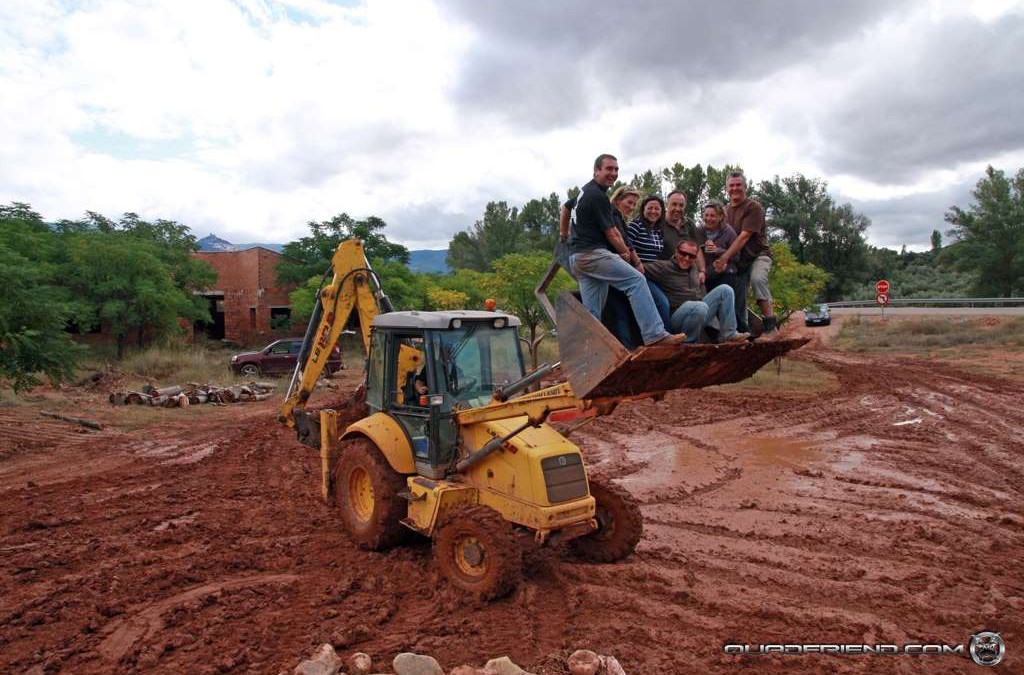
(771, 328)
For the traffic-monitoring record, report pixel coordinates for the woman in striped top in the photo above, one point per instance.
(644, 233)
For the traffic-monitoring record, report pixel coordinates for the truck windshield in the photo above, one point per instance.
(477, 358)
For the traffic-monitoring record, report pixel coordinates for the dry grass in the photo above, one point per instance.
(931, 335)
(787, 375)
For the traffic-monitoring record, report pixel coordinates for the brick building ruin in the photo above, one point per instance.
(247, 304)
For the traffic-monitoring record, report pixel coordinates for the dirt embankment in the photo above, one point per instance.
(889, 510)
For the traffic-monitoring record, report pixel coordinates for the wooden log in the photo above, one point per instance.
(74, 420)
(118, 398)
(170, 391)
(137, 398)
(261, 397)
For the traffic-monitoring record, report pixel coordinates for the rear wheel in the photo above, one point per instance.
(476, 550)
(366, 490)
(249, 370)
(619, 525)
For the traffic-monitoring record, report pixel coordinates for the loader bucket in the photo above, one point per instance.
(598, 367)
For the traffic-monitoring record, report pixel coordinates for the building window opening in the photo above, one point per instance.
(280, 318)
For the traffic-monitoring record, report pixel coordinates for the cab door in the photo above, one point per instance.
(406, 360)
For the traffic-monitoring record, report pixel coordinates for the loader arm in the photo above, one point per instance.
(348, 289)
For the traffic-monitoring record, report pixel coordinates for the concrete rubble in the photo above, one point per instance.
(326, 661)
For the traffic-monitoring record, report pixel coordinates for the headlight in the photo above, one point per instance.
(234, 358)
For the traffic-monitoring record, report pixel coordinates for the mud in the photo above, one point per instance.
(888, 510)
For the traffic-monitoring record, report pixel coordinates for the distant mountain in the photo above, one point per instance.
(428, 261)
(212, 242)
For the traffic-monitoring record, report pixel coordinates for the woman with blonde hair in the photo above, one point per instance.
(618, 315)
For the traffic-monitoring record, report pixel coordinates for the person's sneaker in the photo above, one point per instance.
(668, 340)
(736, 337)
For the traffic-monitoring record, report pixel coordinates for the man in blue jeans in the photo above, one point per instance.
(692, 307)
(597, 249)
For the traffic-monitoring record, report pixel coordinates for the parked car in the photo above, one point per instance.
(817, 316)
(278, 358)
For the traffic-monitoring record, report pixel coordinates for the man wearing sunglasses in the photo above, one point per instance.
(692, 308)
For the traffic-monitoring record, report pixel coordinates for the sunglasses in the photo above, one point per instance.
(684, 254)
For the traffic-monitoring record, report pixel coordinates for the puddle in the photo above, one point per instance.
(780, 452)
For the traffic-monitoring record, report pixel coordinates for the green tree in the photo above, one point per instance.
(794, 285)
(499, 233)
(818, 231)
(124, 284)
(539, 220)
(515, 277)
(936, 240)
(442, 298)
(474, 285)
(311, 255)
(700, 185)
(35, 310)
(989, 234)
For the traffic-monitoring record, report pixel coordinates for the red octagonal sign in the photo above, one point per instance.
(882, 286)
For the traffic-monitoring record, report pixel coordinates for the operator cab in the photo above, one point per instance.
(460, 356)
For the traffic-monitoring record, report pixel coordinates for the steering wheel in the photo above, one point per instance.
(466, 384)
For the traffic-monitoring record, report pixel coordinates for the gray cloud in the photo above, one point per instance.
(910, 220)
(427, 225)
(550, 63)
(959, 98)
(309, 158)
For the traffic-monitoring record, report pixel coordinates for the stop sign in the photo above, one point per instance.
(882, 286)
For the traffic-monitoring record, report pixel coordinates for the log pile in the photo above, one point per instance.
(193, 393)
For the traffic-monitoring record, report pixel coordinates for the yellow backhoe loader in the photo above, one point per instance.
(448, 442)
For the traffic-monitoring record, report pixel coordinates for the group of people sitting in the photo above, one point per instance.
(659, 279)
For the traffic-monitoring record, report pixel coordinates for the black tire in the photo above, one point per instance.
(249, 370)
(366, 491)
(476, 550)
(619, 525)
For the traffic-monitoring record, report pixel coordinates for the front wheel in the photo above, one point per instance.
(366, 490)
(476, 550)
(619, 525)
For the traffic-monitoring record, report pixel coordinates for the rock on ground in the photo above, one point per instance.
(408, 663)
(325, 661)
(360, 663)
(505, 666)
(584, 662)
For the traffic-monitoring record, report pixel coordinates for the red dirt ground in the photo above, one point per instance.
(888, 510)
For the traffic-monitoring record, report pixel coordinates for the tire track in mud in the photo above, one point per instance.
(768, 517)
(877, 475)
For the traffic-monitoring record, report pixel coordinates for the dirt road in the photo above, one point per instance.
(888, 510)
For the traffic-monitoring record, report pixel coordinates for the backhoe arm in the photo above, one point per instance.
(348, 289)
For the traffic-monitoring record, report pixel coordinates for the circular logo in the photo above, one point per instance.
(987, 648)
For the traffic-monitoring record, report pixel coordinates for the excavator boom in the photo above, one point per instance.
(348, 290)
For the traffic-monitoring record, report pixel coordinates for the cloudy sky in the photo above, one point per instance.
(248, 118)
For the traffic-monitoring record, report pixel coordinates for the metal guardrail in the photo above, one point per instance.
(932, 302)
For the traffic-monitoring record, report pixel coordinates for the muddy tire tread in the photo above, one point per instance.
(384, 529)
(503, 550)
(629, 525)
